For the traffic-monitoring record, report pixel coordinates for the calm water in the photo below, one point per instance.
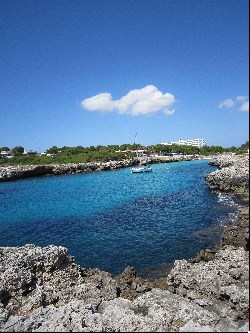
(113, 219)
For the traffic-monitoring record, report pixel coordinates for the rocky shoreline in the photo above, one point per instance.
(232, 176)
(44, 290)
(26, 171)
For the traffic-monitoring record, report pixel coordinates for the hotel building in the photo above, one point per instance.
(193, 142)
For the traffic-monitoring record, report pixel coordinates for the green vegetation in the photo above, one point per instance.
(243, 148)
(17, 151)
(101, 153)
(4, 149)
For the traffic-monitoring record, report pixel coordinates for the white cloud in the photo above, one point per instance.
(240, 98)
(145, 101)
(101, 102)
(244, 107)
(227, 103)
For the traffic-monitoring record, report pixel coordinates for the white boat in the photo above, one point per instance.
(141, 169)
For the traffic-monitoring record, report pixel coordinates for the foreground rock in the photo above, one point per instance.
(43, 290)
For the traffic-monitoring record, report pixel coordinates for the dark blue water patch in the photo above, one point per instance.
(114, 219)
(145, 233)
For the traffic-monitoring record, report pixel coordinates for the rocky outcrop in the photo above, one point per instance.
(237, 234)
(32, 277)
(232, 175)
(219, 285)
(44, 290)
(25, 171)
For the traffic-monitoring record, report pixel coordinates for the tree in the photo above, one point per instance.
(52, 150)
(5, 149)
(18, 150)
(233, 148)
(244, 146)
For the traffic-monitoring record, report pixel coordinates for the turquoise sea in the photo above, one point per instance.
(113, 219)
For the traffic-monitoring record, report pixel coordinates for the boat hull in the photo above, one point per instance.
(141, 170)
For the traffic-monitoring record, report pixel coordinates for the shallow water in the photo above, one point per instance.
(113, 219)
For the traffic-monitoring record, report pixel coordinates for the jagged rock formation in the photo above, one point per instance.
(232, 176)
(43, 290)
(25, 171)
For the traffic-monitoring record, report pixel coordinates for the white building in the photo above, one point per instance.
(193, 142)
(5, 154)
(30, 152)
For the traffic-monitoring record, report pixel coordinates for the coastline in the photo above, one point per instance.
(42, 289)
(15, 172)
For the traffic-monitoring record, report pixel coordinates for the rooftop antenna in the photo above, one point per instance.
(136, 147)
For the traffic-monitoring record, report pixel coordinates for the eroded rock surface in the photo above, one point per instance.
(232, 176)
(42, 289)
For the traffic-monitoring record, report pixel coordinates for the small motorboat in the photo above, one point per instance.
(141, 169)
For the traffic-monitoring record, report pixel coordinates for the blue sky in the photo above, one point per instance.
(97, 72)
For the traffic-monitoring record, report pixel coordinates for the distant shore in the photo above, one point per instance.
(25, 171)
